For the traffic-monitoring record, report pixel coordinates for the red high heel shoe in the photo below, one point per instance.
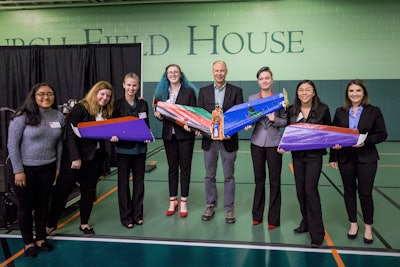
(183, 214)
(271, 227)
(172, 212)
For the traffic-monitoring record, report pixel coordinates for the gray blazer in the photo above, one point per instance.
(266, 133)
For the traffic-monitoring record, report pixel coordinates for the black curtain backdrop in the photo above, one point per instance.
(72, 69)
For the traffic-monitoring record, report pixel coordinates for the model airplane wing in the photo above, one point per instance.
(125, 128)
(307, 136)
(242, 115)
(220, 125)
(194, 117)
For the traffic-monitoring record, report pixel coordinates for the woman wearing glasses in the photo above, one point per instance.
(178, 141)
(307, 164)
(34, 145)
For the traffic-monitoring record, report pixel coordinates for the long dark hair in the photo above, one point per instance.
(30, 108)
(295, 110)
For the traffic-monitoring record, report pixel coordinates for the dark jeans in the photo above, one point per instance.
(307, 171)
(87, 177)
(359, 177)
(34, 197)
(179, 156)
(131, 207)
(261, 156)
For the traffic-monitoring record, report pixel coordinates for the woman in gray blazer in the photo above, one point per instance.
(264, 143)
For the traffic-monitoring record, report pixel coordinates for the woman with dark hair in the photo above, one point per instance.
(178, 141)
(307, 164)
(264, 143)
(358, 164)
(85, 156)
(131, 156)
(35, 146)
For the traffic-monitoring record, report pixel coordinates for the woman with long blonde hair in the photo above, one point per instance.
(84, 157)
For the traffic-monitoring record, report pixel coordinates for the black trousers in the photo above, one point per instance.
(307, 171)
(34, 197)
(359, 177)
(261, 156)
(179, 156)
(87, 177)
(131, 207)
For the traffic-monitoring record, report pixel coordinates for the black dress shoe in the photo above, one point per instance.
(127, 224)
(368, 241)
(139, 222)
(46, 246)
(300, 230)
(349, 236)
(30, 252)
(88, 231)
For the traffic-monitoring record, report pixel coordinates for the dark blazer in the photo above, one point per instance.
(121, 109)
(318, 115)
(80, 148)
(185, 97)
(371, 122)
(233, 96)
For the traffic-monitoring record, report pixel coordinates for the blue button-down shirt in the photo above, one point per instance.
(219, 94)
(354, 119)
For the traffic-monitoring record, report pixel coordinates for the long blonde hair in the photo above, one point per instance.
(90, 100)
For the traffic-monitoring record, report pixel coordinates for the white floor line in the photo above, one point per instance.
(213, 244)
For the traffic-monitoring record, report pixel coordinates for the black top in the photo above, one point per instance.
(185, 97)
(122, 109)
(371, 122)
(318, 115)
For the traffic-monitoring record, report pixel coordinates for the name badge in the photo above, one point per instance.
(142, 115)
(55, 124)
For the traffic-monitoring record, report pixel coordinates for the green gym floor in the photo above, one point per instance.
(174, 241)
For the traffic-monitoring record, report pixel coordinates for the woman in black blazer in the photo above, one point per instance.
(83, 158)
(307, 164)
(131, 156)
(358, 164)
(178, 141)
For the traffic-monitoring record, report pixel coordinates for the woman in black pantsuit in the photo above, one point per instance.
(178, 141)
(131, 156)
(307, 164)
(358, 164)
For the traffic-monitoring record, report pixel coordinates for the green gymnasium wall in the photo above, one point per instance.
(328, 41)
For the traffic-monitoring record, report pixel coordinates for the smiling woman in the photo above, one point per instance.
(35, 145)
(44, 97)
(174, 88)
(358, 164)
(307, 164)
(84, 157)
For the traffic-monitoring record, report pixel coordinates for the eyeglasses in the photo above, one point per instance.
(306, 90)
(173, 72)
(42, 94)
